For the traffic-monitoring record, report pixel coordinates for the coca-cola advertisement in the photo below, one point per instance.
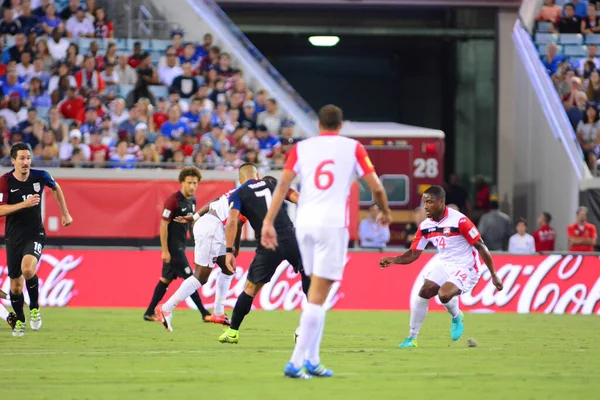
(126, 278)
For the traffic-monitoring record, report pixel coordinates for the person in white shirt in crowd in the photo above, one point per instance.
(126, 74)
(373, 234)
(118, 113)
(25, 67)
(75, 142)
(109, 75)
(521, 242)
(79, 26)
(58, 45)
(167, 73)
(271, 117)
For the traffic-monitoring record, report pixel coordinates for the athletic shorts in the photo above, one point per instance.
(464, 278)
(178, 267)
(209, 240)
(324, 250)
(266, 261)
(15, 251)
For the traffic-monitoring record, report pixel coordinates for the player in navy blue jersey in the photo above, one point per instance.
(21, 193)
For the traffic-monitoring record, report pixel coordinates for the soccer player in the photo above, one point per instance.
(21, 192)
(326, 165)
(209, 245)
(172, 241)
(252, 199)
(9, 317)
(458, 241)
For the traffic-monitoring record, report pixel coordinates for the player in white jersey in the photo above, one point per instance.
(209, 248)
(326, 165)
(459, 246)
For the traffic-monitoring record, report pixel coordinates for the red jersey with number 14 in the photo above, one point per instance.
(326, 165)
(453, 236)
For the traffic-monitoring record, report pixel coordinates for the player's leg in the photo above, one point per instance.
(460, 281)
(201, 274)
(14, 256)
(31, 256)
(222, 288)
(9, 317)
(168, 273)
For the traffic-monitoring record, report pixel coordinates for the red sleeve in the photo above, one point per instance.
(4, 189)
(101, 84)
(570, 231)
(468, 230)
(419, 242)
(80, 116)
(169, 208)
(594, 231)
(243, 219)
(78, 79)
(292, 160)
(364, 165)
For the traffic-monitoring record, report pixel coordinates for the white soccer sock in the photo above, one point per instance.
(418, 312)
(3, 312)
(313, 317)
(313, 355)
(452, 307)
(187, 288)
(223, 282)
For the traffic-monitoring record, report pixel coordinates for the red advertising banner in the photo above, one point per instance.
(546, 284)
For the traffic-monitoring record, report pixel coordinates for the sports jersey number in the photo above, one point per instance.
(37, 247)
(25, 197)
(426, 168)
(463, 277)
(323, 178)
(266, 193)
(440, 242)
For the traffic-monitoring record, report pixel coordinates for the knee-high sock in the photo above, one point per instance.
(3, 312)
(34, 291)
(313, 355)
(452, 307)
(198, 302)
(311, 321)
(243, 305)
(187, 288)
(159, 292)
(418, 312)
(17, 301)
(223, 283)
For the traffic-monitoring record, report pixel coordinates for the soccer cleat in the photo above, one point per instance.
(35, 319)
(457, 327)
(164, 318)
(11, 320)
(150, 317)
(408, 342)
(19, 329)
(317, 370)
(217, 319)
(230, 336)
(297, 373)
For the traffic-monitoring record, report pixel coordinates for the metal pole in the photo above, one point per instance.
(129, 20)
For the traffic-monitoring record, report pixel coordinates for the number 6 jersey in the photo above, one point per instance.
(327, 165)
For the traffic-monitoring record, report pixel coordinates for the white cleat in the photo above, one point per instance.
(164, 318)
(19, 329)
(35, 320)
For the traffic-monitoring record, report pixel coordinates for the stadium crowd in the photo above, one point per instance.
(189, 106)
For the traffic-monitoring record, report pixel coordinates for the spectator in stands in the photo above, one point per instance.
(111, 54)
(25, 67)
(51, 22)
(75, 142)
(372, 234)
(19, 47)
(121, 158)
(235, 101)
(260, 104)
(109, 75)
(247, 117)
(131, 122)
(49, 157)
(218, 137)
(73, 56)
(9, 25)
(569, 23)
(147, 76)
(207, 42)
(127, 75)
(521, 242)
(40, 10)
(580, 7)
(70, 10)
(457, 194)
(58, 45)
(224, 68)
(190, 55)
(37, 96)
(268, 144)
(482, 194)
(88, 78)
(583, 64)
(177, 41)
(591, 23)
(495, 228)
(12, 85)
(241, 88)
(79, 26)
(62, 70)
(545, 235)
(62, 90)
(217, 94)
(593, 86)
(271, 117)
(232, 121)
(569, 99)
(103, 29)
(26, 126)
(15, 111)
(150, 153)
(29, 22)
(4, 54)
(96, 145)
(136, 58)
(72, 105)
(175, 99)
(186, 84)
(118, 113)
(588, 135)
(550, 12)
(167, 73)
(91, 10)
(174, 127)
(43, 54)
(89, 123)
(192, 117)
(55, 124)
(160, 116)
(140, 138)
(145, 108)
(582, 235)
(209, 156)
(212, 59)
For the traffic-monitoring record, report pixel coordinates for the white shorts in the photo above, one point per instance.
(323, 250)
(209, 240)
(464, 278)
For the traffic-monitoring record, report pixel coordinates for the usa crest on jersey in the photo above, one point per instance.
(36, 187)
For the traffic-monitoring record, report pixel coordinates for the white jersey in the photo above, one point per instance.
(518, 244)
(454, 237)
(326, 165)
(221, 207)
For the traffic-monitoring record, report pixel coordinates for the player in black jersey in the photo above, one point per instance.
(21, 192)
(172, 240)
(252, 199)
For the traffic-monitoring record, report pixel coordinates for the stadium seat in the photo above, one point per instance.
(159, 91)
(575, 51)
(9, 41)
(146, 44)
(545, 38)
(84, 44)
(121, 42)
(571, 38)
(124, 90)
(560, 2)
(43, 112)
(592, 39)
(160, 45)
(543, 26)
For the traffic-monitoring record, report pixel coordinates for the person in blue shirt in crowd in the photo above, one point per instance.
(192, 117)
(174, 127)
(552, 60)
(218, 138)
(268, 144)
(12, 85)
(580, 8)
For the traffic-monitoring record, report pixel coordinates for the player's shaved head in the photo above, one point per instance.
(436, 192)
(331, 117)
(248, 171)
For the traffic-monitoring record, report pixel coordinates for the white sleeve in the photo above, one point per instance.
(531, 244)
(511, 244)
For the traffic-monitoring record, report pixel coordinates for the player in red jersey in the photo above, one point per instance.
(458, 241)
(582, 235)
(545, 235)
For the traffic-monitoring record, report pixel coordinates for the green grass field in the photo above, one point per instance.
(113, 354)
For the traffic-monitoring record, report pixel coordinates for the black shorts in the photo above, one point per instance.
(266, 261)
(15, 251)
(179, 267)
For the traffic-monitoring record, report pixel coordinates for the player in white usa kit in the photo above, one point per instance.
(458, 243)
(326, 165)
(209, 248)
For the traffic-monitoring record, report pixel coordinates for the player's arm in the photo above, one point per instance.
(166, 218)
(238, 236)
(193, 218)
(293, 196)
(365, 169)
(231, 229)
(487, 259)
(62, 203)
(7, 209)
(405, 258)
(268, 235)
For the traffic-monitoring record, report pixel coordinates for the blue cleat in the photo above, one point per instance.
(408, 342)
(318, 370)
(297, 373)
(457, 327)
